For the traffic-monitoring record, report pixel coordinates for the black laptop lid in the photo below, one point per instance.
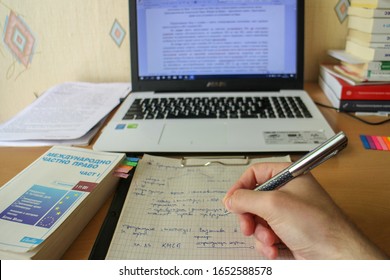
(214, 45)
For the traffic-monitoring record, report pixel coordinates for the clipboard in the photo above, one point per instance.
(103, 240)
(105, 236)
(206, 161)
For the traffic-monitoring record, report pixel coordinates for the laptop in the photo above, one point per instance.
(213, 76)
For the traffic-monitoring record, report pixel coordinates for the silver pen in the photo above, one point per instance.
(314, 158)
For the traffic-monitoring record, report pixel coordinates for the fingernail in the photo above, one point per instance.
(224, 199)
(228, 203)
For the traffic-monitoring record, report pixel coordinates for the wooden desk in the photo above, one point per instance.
(358, 180)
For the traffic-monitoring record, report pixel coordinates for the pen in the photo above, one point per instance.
(312, 159)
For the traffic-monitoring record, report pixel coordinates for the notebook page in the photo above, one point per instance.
(174, 212)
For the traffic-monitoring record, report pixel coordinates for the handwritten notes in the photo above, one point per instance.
(174, 212)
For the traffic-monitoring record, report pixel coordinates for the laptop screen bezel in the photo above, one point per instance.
(220, 84)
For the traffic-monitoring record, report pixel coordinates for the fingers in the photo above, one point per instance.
(247, 224)
(256, 174)
(270, 252)
(266, 241)
(264, 234)
(253, 209)
(250, 224)
(248, 201)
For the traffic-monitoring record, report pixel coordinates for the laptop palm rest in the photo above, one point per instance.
(197, 133)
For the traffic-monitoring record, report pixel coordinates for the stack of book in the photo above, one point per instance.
(361, 80)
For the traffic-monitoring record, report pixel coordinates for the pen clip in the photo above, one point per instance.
(336, 149)
(322, 160)
(206, 161)
(328, 149)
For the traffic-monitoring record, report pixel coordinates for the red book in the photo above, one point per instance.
(346, 91)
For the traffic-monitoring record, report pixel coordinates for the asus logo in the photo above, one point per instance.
(216, 84)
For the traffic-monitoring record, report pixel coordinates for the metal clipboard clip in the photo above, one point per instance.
(206, 161)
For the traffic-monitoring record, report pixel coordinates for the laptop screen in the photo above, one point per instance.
(204, 45)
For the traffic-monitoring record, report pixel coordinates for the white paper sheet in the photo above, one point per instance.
(65, 112)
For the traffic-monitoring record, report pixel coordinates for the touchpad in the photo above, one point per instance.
(199, 133)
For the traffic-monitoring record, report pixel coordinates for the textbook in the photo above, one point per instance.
(371, 54)
(369, 13)
(366, 38)
(363, 76)
(353, 105)
(369, 25)
(371, 4)
(349, 76)
(45, 207)
(363, 68)
(345, 91)
(374, 71)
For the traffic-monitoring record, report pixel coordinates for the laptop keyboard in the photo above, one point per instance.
(217, 107)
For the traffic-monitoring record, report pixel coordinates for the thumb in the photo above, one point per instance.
(248, 201)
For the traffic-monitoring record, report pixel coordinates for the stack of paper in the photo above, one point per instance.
(67, 114)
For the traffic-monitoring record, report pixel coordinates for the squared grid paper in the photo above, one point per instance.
(174, 212)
